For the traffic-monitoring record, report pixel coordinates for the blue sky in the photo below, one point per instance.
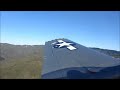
(89, 28)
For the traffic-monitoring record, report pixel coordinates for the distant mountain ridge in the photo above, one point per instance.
(10, 51)
(113, 53)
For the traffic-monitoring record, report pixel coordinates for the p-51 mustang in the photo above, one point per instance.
(65, 59)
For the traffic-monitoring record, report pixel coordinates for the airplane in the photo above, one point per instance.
(65, 59)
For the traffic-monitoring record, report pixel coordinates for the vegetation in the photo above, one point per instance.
(25, 61)
(112, 53)
(21, 61)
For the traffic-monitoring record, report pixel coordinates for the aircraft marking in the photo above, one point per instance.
(63, 44)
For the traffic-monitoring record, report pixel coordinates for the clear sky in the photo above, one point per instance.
(89, 28)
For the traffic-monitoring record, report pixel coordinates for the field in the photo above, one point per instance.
(25, 61)
(21, 62)
(24, 68)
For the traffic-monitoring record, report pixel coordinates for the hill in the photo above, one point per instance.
(112, 53)
(9, 51)
(20, 61)
(25, 61)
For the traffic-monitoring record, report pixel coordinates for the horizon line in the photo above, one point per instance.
(44, 44)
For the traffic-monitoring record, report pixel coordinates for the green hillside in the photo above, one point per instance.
(21, 61)
(25, 61)
(112, 53)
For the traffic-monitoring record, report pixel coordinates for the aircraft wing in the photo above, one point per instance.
(65, 59)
